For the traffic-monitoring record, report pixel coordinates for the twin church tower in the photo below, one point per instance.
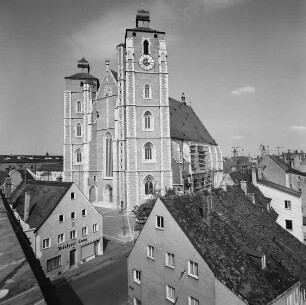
(124, 138)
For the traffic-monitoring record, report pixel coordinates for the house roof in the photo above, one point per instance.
(185, 124)
(52, 167)
(285, 166)
(81, 75)
(236, 223)
(44, 197)
(280, 188)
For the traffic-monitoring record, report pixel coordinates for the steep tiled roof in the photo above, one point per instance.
(236, 223)
(83, 60)
(81, 75)
(285, 166)
(185, 125)
(280, 188)
(44, 197)
(53, 167)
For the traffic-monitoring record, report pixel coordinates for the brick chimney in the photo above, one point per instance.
(244, 187)
(8, 188)
(26, 206)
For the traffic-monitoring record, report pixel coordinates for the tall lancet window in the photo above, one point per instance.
(78, 130)
(108, 155)
(148, 151)
(149, 183)
(146, 47)
(147, 120)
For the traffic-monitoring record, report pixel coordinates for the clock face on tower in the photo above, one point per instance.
(146, 62)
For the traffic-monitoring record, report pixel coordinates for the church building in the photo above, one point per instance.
(124, 138)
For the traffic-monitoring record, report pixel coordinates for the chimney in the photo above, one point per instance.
(254, 175)
(26, 206)
(263, 151)
(183, 98)
(8, 188)
(244, 187)
(259, 173)
(59, 179)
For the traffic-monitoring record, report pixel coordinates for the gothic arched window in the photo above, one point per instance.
(108, 155)
(147, 91)
(149, 183)
(146, 47)
(78, 156)
(78, 106)
(148, 151)
(78, 130)
(148, 120)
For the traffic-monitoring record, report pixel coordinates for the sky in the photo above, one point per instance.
(240, 63)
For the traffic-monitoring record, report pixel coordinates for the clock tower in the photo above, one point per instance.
(142, 140)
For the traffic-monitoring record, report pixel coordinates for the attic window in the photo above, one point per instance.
(155, 35)
(72, 195)
(289, 224)
(134, 34)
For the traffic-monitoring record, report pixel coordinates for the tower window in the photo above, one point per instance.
(148, 151)
(147, 92)
(78, 130)
(78, 156)
(148, 121)
(78, 106)
(109, 155)
(149, 183)
(146, 47)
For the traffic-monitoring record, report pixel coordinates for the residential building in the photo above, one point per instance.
(64, 229)
(124, 137)
(230, 251)
(275, 169)
(50, 172)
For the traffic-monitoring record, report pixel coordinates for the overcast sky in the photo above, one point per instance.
(241, 64)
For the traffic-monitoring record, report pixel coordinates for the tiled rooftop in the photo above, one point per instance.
(185, 125)
(236, 223)
(16, 273)
(44, 197)
(280, 188)
(285, 166)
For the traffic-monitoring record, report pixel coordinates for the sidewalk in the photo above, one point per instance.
(112, 250)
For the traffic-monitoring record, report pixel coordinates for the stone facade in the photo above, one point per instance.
(122, 130)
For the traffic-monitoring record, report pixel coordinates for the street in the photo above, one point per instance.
(103, 284)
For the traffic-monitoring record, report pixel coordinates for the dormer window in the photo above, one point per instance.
(146, 47)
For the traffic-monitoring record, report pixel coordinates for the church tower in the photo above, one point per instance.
(143, 143)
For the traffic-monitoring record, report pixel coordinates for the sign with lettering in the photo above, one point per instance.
(82, 241)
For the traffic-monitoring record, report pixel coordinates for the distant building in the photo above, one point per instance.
(31, 162)
(50, 172)
(230, 252)
(125, 138)
(64, 229)
(275, 169)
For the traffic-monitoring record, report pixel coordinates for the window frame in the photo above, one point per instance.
(75, 234)
(170, 293)
(193, 301)
(72, 195)
(288, 204)
(159, 223)
(77, 108)
(95, 228)
(146, 48)
(148, 121)
(147, 92)
(86, 231)
(52, 260)
(78, 156)
(49, 243)
(137, 276)
(191, 269)
(84, 212)
(150, 252)
(287, 222)
(59, 218)
(62, 235)
(170, 260)
(74, 217)
(108, 150)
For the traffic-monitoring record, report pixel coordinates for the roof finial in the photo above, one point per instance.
(107, 63)
(142, 6)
